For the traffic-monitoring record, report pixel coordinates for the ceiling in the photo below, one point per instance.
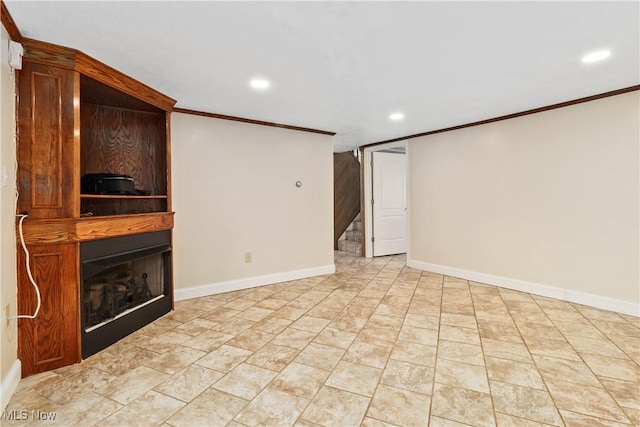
(345, 66)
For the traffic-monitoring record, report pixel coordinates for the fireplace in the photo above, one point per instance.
(125, 285)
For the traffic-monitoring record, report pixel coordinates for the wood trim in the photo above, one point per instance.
(74, 230)
(114, 78)
(9, 23)
(363, 236)
(60, 56)
(512, 116)
(251, 121)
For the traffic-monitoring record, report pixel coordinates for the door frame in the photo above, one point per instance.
(366, 194)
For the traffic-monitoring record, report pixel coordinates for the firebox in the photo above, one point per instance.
(125, 285)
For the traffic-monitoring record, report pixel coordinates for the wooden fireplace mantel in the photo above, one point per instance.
(84, 229)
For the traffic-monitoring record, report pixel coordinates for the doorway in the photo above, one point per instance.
(385, 199)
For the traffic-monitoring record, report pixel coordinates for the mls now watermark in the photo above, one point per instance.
(24, 415)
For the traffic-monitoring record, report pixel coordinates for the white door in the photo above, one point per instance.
(389, 203)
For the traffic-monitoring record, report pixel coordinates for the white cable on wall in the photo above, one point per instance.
(31, 279)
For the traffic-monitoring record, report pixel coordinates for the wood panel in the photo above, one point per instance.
(47, 146)
(125, 141)
(51, 340)
(346, 194)
(72, 230)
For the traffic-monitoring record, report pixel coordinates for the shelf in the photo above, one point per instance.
(119, 196)
(75, 230)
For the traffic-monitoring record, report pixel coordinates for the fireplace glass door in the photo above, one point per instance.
(126, 284)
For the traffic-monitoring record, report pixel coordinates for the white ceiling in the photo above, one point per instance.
(345, 66)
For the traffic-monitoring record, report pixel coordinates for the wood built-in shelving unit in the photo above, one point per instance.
(77, 115)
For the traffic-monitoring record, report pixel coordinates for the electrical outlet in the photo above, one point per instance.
(248, 257)
(6, 313)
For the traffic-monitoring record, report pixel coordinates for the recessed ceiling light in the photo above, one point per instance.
(260, 84)
(596, 56)
(396, 116)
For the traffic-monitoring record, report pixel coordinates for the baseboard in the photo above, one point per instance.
(251, 282)
(591, 300)
(10, 383)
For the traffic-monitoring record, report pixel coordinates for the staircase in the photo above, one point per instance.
(351, 240)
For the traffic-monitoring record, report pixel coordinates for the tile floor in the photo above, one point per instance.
(375, 344)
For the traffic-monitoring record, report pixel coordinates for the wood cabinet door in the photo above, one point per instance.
(48, 146)
(51, 340)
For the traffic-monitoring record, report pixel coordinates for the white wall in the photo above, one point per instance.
(9, 365)
(234, 192)
(547, 203)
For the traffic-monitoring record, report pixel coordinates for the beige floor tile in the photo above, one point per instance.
(211, 408)
(224, 358)
(582, 399)
(290, 312)
(208, 341)
(422, 321)
(525, 402)
(271, 303)
(497, 331)
(460, 320)
(274, 357)
(408, 376)
(465, 353)
(245, 381)
(311, 324)
(625, 393)
(508, 371)
(189, 383)
(133, 384)
(505, 420)
(355, 378)
(459, 334)
(300, 380)
(335, 337)
(272, 408)
(234, 326)
(565, 370)
(464, 375)
(418, 335)
(196, 326)
(418, 354)
(220, 314)
(335, 407)
(151, 408)
(399, 407)
(255, 313)
(294, 338)
(372, 422)
(462, 405)
(539, 332)
(251, 339)
(320, 356)
(368, 354)
(239, 304)
(175, 360)
(517, 352)
(573, 419)
(444, 422)
(612, 367)
(272, 325)
(552, 348)
(120, 360)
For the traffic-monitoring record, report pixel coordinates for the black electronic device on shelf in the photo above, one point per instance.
(110, 184)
